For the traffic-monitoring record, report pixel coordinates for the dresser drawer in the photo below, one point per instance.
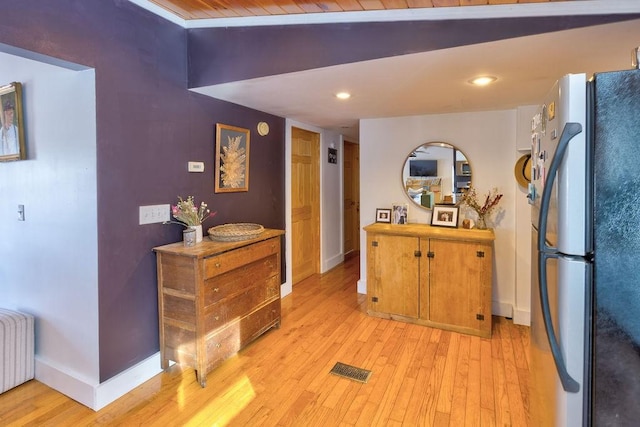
(234, 307)
(220, 264)
(229, 340)
(239, 280)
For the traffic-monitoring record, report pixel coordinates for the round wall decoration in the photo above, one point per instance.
(263, 128)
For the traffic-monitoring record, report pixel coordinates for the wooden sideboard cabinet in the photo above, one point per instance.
(434, 276)
(216, 297)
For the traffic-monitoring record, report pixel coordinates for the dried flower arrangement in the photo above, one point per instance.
(470, 198)
(233, 163)
(186, 213)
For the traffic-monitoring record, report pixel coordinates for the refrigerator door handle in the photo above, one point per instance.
(545, 252)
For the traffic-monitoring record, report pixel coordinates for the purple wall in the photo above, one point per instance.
(218, 55)
(148, 127)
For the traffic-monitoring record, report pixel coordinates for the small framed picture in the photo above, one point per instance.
(333, 155)
(232, 159)
(399, 215)
(12, 146)
(445, 216)
(383, 215)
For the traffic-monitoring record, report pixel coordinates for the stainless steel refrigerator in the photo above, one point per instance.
(585, 302)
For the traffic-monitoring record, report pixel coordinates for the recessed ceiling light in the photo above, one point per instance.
(343, 95)
(483, 80)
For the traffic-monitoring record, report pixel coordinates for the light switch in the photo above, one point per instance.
(154, 213)
(20, 212)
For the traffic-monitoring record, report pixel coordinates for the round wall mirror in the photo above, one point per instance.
(436, 173)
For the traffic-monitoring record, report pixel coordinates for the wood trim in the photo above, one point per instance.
(423, 230)
(200, 9)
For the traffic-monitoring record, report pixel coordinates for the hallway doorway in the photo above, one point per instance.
(351, 202)
(305, 203)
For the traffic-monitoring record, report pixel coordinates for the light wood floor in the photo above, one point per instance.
(421, 376)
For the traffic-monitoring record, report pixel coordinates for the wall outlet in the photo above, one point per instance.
(154, 213)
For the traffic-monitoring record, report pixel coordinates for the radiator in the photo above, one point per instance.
(16, 348)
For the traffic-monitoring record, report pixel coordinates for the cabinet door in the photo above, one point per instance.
(392, 274)
(460, 284)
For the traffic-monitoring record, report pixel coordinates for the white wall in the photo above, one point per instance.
(522, 309)
(49, 261)
(488, 140)
(331, 201)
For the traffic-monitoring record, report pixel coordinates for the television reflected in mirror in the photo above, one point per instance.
(423, 167)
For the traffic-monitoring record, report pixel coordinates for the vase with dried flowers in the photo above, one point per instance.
(482, 206)
(188, 215)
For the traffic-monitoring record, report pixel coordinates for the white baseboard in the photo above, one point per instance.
(80, 390)
(332, 262)
(362, 287)
(501, 309)
(97, 396)
(521, 317)
(126, 381)
(285, 289)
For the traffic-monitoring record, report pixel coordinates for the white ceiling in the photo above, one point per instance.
(436, 82)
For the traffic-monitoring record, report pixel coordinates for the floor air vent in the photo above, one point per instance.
(351, 372)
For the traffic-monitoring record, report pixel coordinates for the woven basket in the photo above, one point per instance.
(235, 232)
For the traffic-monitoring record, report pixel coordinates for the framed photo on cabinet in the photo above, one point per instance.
(232, 159)
(383, 215)
(399, 213)
(445, 216)
(12, 145)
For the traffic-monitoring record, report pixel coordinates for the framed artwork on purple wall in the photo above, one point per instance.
(12, 146)
(232, 159)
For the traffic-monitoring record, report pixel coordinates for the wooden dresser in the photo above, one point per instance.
(434, 276)
(216, 297)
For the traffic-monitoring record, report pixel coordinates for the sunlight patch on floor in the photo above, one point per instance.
(228, 403)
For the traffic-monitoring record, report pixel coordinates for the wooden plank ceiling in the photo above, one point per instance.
(207, 9)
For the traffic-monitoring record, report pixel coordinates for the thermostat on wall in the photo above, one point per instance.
(196, 166)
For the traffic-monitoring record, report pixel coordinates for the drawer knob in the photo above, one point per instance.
(218, 345)
(217, 317)
(216, 289)
(217, 265)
